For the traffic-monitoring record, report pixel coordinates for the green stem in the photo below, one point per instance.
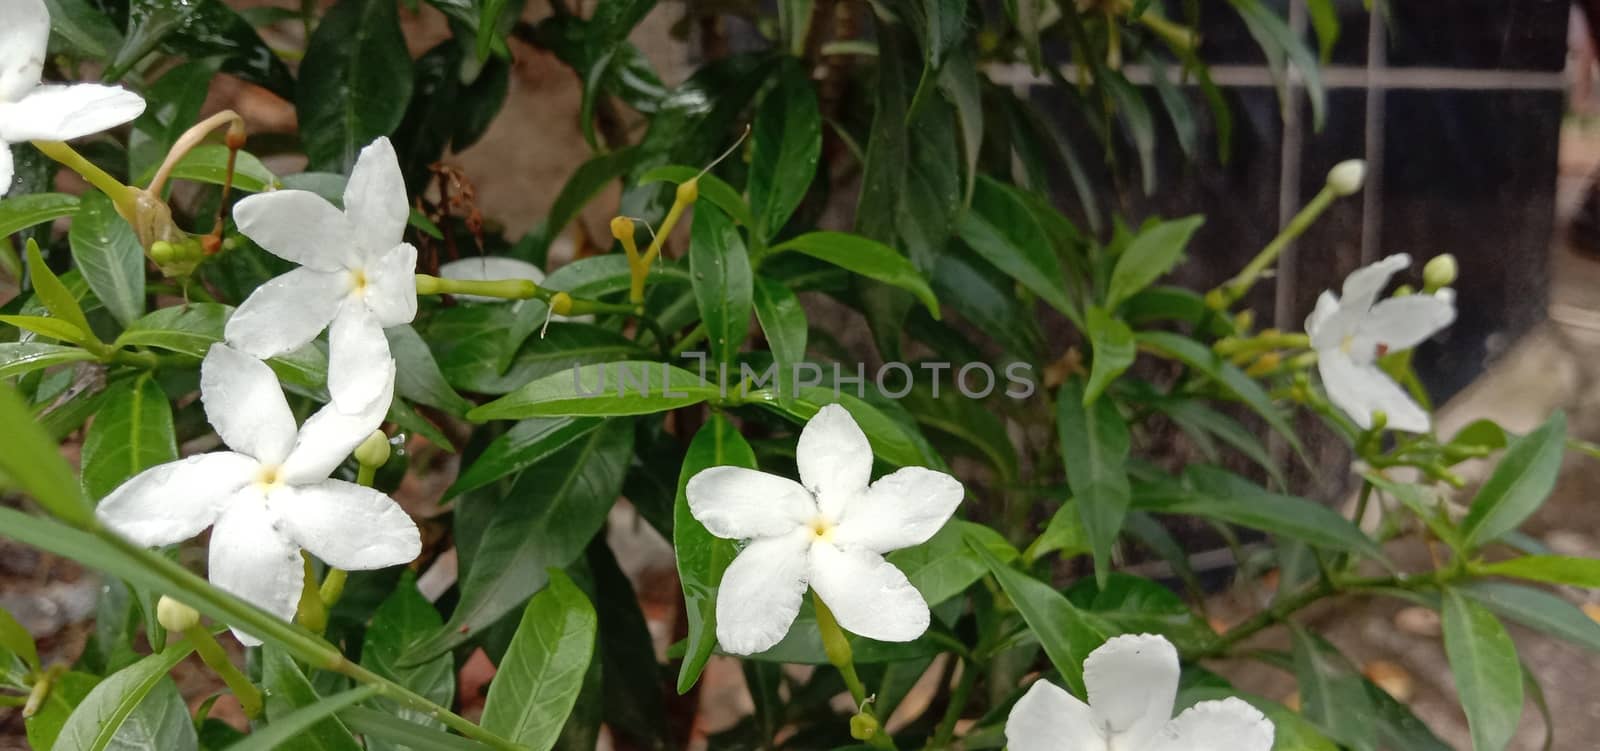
(695, 336)
(212, 655)
(122, 195)
(365, 474)
(312, 613)
(958, 703)
(1241, 283)
(837, 647)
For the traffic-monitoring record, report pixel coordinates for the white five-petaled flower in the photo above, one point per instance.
(828, 531)
(30, 111)
(1351, 332)
(356, 276)
(270, 496)
(1133, 684)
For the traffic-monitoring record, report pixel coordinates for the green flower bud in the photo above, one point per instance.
(1346, 177)
(863, 726)
(175, 616)
(374, 452)
(1440, 272)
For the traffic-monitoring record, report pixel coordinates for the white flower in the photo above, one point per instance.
(33, 112)
(491, 268)
(269, 497)
(1132, 682)
(355, 274)
(1350, 333)
(828, 531)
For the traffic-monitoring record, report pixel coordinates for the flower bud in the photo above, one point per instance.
(1405, 290)
(175, 616)
(163, 253)
(374, 452)
(1264, 365)
(622, 228)
(561, 303)
(1440, 272)
(1217, 300)
(863, 726)
(1346, 177)
(1244, 321)
(688, 192)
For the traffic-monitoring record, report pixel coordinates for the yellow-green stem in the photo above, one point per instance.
(41, 689)
(640, 268)
(214, 657)
(122, 195)
(312, 613)
(504, 289)
(1241, 283)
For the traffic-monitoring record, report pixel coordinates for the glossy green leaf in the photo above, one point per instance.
(1332, 691)
(285, 731)
(1281, 44)
(1537, 610)
(946, 565)
(1520, 484)
(1196, 418)
(971, 421)
(1111, 342)
(1152, 253)
(891, 440)
(1230, 377)
(1002, 229)
(16, 640)
(173, 104)
(1064, 533)
(383, 727)
(1225, 497)
(1094, 447)
(785, 147)
(1553, 569)
(100, 718)
(18, 213)
(540, 677)
(208, 163)
(55, 295)
(702, 556)
(1066, 635)
(188, 329)
(405, 617)
(720, 267)
(66, 693)
(197, 29)
(132, 433)
(525, 444)
(58, 329)
(355, 82)
(85, 27)
(782, 320)
(712, 188)
(1483, 661)
(286, 692)
(417, 375)
(630, 387)
(868, 258)
(1325, 22)
(32, 462)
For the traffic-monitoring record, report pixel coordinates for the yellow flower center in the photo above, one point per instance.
(1348, 344)
(358, 281)
(270, 476)
(821, 529)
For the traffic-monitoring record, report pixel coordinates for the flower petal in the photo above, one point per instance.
(346, 525)
(360, 370)
(8, 169)
(1317, 322)
(867, 594)
(1132, 681)
(1362, 287)
(252, 559)
(375, 198)
(1047, 718)
(173, 502)
(834, 457)
(392, 286)
(1401, 323)
(1359, 390)
(330, 435)
(760, 593)
(245, 404)
(286, 312)
(62, 113)
(299, 226)
(740, 504)
(1227, 725)
(899, 510)
(24, 33)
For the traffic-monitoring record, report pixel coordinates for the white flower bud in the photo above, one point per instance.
(175, 616)
(1346, 177)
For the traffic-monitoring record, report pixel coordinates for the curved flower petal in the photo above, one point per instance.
(24, 33)
(252, 559)
(834, 457)
(1401, 323)
(330, 435)
(867, 594)
(299, 226)
(8, 169)
(1317, 324)
(1362, 287)
(245, 404)
(1132, 681)
(375, 198)
(62, 113)
(1047, 718)
(899, 510)
(173, 502)
(360, 369)
(740, 504)
(1227, 725)
(392, 286)
(346, 525)
(286, 312)
(1359, 390)
(760, 593)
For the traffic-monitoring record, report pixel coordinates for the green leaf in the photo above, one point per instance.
(1002, 229)
(525, 444)
(54, 294)
(631, 699)
(1325, 22)
(66, 693)
(630, 387)
(52, 328)
(891, 441)
(196, 29)
(417, 374)
(174, 102)
(720, 268)
(1537, 610)
(32, 462)
(18, 213)
(1152, 253)
(1483, 660)
(868, 258)
(702, 556)
(208, 163)
(540, 677)
(386, 728)
(575, 488)
(18, 358)
(1094, 447)
(100, 718)
(712, 188)
(1554, 569)
(782, 320)
(1279, 42)
(286, 692)
(1111, 342)
(87, 29)
(1134, 113)
(946, 565)
(187, 329)
(1243, 387)
(355, 82)
(132, 433)
(1064, 532)
(290, 726)
(1133, 605)
(968, 420)
(403, 618)
(1066, 635)
(1520, 484)
(16, 640)
(1197, 419)
(785, 147)
(1332, 692)
(1225, 497)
